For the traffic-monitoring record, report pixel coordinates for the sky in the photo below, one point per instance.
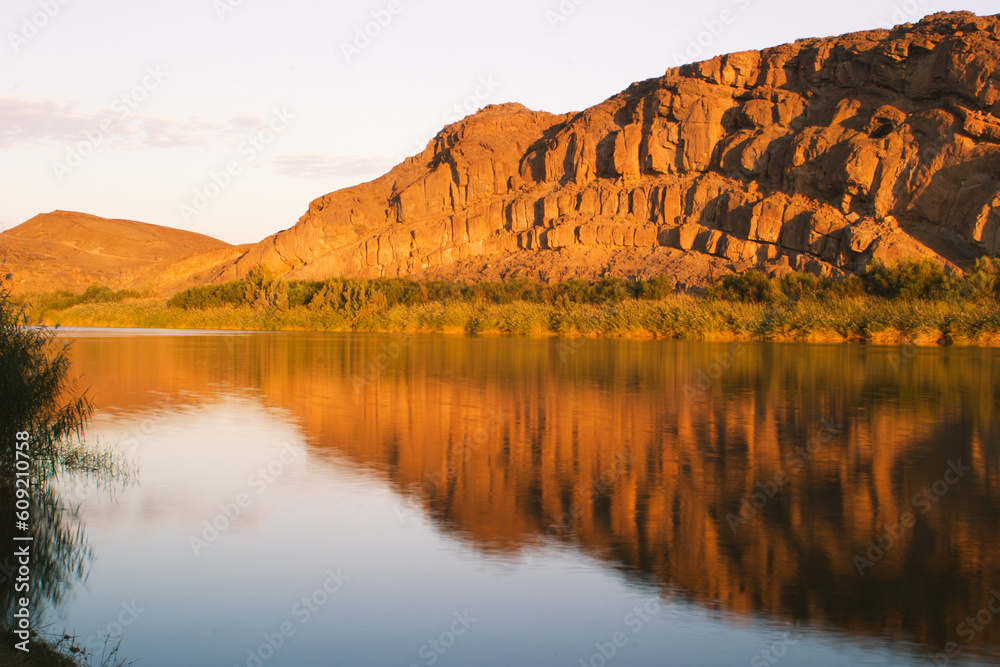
(228, 117)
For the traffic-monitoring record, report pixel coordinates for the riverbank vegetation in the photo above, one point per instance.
(41, 437)
(908, 302)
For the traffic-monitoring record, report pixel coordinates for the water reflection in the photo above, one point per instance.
(747, 478)
(59, 552)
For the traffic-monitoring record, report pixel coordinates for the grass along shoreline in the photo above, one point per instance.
(845, 319)
(912, 302)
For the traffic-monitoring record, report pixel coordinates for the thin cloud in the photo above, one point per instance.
(33, 122)
(321, 167)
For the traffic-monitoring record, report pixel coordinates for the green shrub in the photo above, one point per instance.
(654, 289)
(209, 296)
(517, 288)
(908, 279)
(575, 291)
(440, 290)
(750, 287)
(96, 294)
(799, 286)
(349, 298)
(59, 300)
(263, 290)
(398, 291)
(610, 290)
(983, 280)
(301, 292)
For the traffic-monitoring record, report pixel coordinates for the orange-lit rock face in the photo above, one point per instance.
(820, 155)
(633, 453)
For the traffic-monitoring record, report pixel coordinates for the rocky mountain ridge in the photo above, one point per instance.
(820, 155)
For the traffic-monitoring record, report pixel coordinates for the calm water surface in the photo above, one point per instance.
(317, 499)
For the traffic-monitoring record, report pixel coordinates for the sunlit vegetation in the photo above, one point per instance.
(906, 281)
(910, 301)
(63, 299)
(261, 288)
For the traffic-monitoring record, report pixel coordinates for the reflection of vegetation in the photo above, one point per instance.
(60, 556)
(39, 408)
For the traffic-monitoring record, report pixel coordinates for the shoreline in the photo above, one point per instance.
(911, 303)
(858, 321)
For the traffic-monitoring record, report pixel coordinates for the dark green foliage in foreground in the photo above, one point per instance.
(40, 412)
(356, 297)
(34, 382)
(907, 281)
(41, 430)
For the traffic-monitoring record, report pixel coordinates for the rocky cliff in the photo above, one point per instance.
(818, 155)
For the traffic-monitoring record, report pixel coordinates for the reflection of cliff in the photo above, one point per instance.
(603, 445)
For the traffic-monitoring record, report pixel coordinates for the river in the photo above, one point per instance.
(332, 499)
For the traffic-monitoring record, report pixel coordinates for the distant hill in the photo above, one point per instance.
(69, 250)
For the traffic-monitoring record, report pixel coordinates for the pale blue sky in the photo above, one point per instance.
(166, 94)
